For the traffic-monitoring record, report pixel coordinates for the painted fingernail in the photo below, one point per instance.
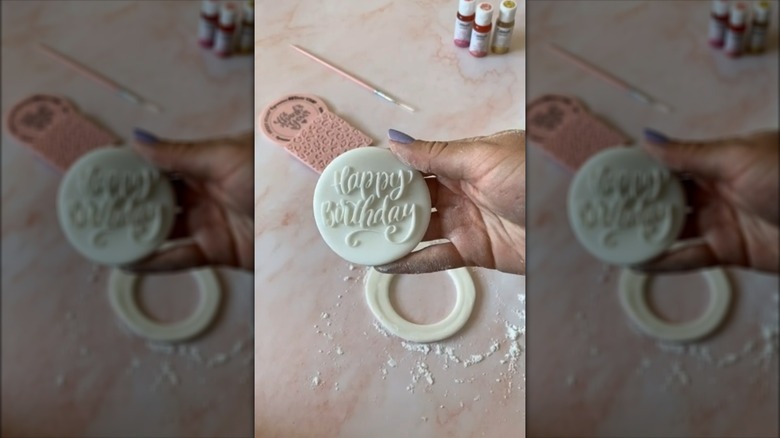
(145, 137)
(399, 137)
(656, 137)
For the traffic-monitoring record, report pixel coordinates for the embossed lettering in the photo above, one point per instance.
(293, 120)
(116, 199)
(374, 207)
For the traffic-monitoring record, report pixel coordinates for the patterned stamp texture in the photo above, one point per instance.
(567, 132)
(327, 137)
(53, 128)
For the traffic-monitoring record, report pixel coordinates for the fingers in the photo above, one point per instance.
(709, 159)
(172, 258)
(192, 159)
(441, 158)
(434, 258)
(684, 258)
(435, 229)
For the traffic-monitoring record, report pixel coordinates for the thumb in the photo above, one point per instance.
(186, 158)
(708, 159)
(440, 158)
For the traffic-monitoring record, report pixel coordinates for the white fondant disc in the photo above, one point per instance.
(114, 207)
(370, 208)
(625, 207)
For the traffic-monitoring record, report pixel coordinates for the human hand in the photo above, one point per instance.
(733, 191)
(214, 185)
(477, 187)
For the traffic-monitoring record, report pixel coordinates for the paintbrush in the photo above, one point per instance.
(610, 79)
(124, 93)
(354, 79)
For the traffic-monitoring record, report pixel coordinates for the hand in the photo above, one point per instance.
(214, 184)
(477, 187)
(734, 195)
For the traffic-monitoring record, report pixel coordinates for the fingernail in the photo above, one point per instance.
(399, 137)
(655, 137)
(145, 137)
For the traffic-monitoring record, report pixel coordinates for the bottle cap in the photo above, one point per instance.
(738, 13)
(467, 7)
(720, 7)
(209, 7)
(761, 12)
(506, 11)
(227, 15)
(484, 14)
(249, 12)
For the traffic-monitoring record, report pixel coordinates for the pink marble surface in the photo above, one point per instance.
(68, 369)
(586, 365)
(322, 369)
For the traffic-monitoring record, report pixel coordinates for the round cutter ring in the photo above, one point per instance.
(121, 293)
(632, 291)
(378, 298)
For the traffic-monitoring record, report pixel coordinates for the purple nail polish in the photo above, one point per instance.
(399, 137)
(145, 137)
(655, 137)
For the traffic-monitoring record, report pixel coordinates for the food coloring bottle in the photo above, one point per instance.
(480, 35)
(758, 28)
(735, 33)
(246, 39)
(464, 21)
(719, 20)
(502, 36)
(209, 17)
(223, 42)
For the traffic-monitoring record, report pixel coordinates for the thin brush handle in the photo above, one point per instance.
(97, 77)
(590, 68)
(335, 69)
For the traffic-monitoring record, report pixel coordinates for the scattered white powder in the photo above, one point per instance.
(679, 374)
(217, 359)
(391, 363)
(316, 381)
(380, 329)
(325, 315)
(161, 348)
(339, 351)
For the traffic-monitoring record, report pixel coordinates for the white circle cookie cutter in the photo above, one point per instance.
(378, 298)
(114, 207)
(633, 299)
(370, 208)
(121, 293)
(624, 207)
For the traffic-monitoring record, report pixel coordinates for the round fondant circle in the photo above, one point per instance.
(633, 299)
(625, 207)
(121, 293)
(370, 208)
(114, 207)
(284, 118)
(378, 298)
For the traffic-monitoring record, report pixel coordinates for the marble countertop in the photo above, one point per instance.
(68, 368)
(586, 364)
(322, 367)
